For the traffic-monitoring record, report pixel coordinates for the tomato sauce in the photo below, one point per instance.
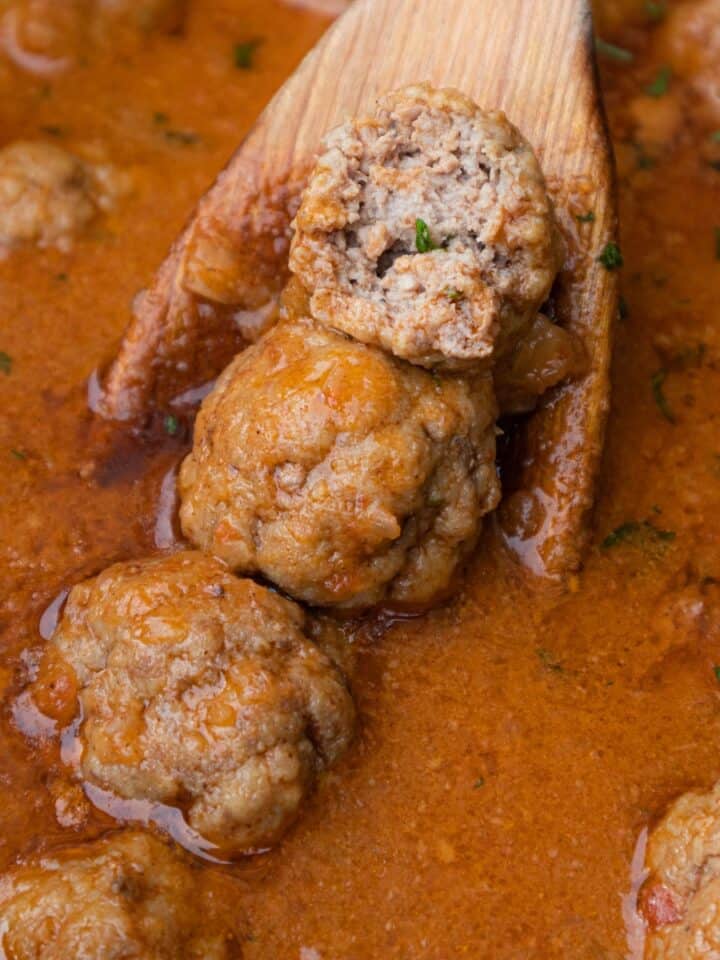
(515, 743)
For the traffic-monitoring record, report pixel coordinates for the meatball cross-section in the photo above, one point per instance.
(343, 475)
(426, 229)
(128, 894)
(198, 690)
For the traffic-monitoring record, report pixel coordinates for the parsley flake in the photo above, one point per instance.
(453, 294)
(423, 240)
(611, 257)
(480, 782)
(636, 531)
(716, 671)
(613, 52)
(656, 9)
(243, 54)
(18, 454)
(5, 362)
(588, 217)
(171, 424)
(661, 84)
(656, 382)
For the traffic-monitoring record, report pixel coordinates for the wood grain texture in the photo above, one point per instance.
(532, 59)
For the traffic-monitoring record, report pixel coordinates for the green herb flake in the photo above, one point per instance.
(636, 531)
(715, 136)
(5, 363)
(52, 130)
(623, 309)
(613, 52)
(717, 243)
(480, 782)
(18, 454)
(611, 257)
(548, 660)
(184, 137)
(160, 118)
(171, 424)
(588, 217)
(661, 84)
(62, 277)
(423, 240)
(657, 382)
(243, 54)
(716, 671)
(453, 294)
(656, 9)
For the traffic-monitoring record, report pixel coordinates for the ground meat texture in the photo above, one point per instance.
(46, 195)
(453, 295)
(126, 895)
(196, 689)
(343, 475)
(680, 900)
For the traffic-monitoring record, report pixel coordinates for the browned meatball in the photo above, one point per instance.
(46, 194)
(341, 474)
(126, 895)
(196, 689)
(680, 899)
(426, 228)
(46, 37)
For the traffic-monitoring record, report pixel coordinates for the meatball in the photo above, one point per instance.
(46, 194)
(427, 229)
(199, 690)
(680, 899)
(341, 474)
(545, 356)
(126, 895)
(46, 37)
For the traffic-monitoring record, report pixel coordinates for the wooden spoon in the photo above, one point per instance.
(221, 278)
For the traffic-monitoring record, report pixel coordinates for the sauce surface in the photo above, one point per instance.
(515, 743)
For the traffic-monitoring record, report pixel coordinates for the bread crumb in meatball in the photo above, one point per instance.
(128, 894)
(343, 475)
(47, 195)
(427, 229)
(199, 690)
(680, 899)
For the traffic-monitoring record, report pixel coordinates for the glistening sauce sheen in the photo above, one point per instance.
(515, 743)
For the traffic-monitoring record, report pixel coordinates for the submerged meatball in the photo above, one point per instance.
(46, 194)
(343, 475)
(680, 899)
(427, 229)
(196, 689)
(126, 895)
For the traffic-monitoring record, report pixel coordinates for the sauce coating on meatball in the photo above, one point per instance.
(197, 690)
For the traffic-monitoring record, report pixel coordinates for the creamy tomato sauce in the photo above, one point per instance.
(515, 743)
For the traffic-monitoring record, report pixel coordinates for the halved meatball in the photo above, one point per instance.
(427, 229)
(199, 690)
(46, 194)
(341, 474)
(680, 899)
(126, 895)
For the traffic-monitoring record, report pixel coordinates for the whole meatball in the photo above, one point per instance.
(126, 895)
(196, 689)
(427, 229)
(46, 195)
(341, 474)
(680, 900)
